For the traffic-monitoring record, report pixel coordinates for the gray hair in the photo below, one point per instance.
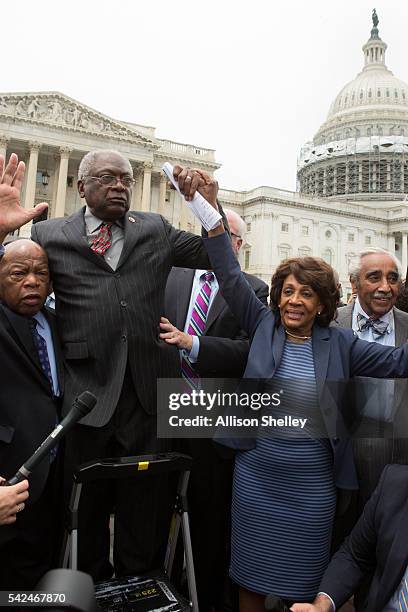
(239, 221)
(355, 266)
(90, 158)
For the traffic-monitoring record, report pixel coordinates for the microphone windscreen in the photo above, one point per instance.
(85, 402)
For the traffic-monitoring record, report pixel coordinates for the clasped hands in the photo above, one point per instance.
(191, 180)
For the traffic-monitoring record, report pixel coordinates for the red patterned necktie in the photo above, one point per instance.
(196, 327)
(103, 239)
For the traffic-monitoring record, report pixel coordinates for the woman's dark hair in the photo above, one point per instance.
(315, 273)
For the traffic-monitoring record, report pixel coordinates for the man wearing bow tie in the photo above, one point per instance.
(382, 436)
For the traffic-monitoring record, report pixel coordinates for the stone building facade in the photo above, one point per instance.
(352, 178)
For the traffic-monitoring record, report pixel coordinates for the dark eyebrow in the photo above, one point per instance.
(373, 272)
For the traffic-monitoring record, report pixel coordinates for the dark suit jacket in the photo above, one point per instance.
(224, 346)
(27, 409)
(338, 355)
(344, 319)
(378, 544)
(110, 319)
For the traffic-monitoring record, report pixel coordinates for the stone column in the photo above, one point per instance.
(162, 194)
(316, 239)
(391, 243)
(57, 160)
(404, 256)
(360, 245)
(296, 236)
(62, 181)
(147, 182)
(3, 145)
(274, 241)
(342, 261)
(137, 189)
(31, 174)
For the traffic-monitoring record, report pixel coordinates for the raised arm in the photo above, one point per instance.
(236, 291)
(12, 214)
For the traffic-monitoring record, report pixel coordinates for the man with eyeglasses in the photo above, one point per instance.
(109, 267)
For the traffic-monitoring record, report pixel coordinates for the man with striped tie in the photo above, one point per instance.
(212, 345)
(378, 544)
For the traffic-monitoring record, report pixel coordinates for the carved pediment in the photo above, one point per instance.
(57, 110)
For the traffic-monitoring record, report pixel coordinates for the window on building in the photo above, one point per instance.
(38, 178)
(285, 227)
(304, 252)
(167, 196)
(247, 259)
(387, 93)
(70, 181)
(198, 151)
(305, 230)
(367, 240)
(369, 93)
(284, 252)
(351, 237)
(248, 227)
(328, 256)
(378, 93)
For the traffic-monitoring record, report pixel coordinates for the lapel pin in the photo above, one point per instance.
(131, 219)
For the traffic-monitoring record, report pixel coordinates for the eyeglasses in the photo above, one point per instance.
(236, 235)
(110, 181)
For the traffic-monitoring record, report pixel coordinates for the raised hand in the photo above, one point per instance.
(12, 214)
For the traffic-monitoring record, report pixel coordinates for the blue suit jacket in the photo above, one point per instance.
(338, 356)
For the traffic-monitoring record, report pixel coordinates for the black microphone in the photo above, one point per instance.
(80, 407)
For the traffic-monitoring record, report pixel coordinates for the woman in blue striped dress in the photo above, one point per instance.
(285, 480)
(284, 494)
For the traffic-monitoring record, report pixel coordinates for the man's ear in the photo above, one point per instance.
(81, 189)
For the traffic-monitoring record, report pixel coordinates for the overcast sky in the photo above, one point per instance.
(253, 80)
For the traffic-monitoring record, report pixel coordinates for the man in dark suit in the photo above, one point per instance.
(31, 383)
(220, 352)
(109, 269)
(377, 545)
(382, 436)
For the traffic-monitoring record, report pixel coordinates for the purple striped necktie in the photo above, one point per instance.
(196, 327)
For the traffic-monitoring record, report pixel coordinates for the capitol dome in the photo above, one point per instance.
(362, 147)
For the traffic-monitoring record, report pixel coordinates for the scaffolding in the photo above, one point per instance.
(360, 165)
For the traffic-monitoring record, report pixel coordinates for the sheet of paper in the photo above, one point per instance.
(205, 213)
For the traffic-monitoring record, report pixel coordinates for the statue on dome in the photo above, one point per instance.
(375, 18)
